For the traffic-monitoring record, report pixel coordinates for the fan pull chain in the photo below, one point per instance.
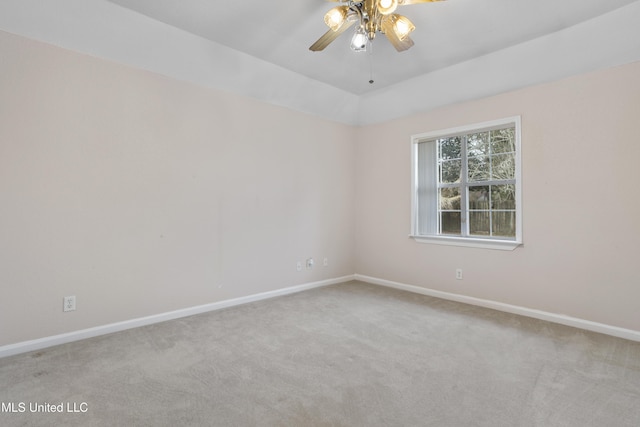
(370, 62)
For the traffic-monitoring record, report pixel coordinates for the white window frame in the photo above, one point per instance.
(470, 241)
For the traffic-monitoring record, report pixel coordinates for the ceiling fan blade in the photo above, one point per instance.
(406, 2)
(400, 45)
(330, 36)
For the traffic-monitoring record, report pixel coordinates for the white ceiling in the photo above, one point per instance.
(464, 49)
(447, 32)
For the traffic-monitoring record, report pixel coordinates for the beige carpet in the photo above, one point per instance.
(344, 355)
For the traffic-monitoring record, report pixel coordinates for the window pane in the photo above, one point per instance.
(503, 166)
(504, 224)
(478, 144)
(479, 168)
(450, 216)
(465, 183)
(450, 171)
(449, 148)
(479, 223)
(450, 199)
(503, 141)
(450, 223)
(503, 197)
(479, 198)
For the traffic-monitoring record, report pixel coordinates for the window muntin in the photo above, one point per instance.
(466, 184)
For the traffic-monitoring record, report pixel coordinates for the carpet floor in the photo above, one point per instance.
(351, 354)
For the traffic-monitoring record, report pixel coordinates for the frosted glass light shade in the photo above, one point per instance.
(387, 7)
(403, 27)
(359, 40)
(336, 17)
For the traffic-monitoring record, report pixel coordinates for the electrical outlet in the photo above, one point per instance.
(299, 266)
(459, 273)
(69, 303)
(325, 262)
(310, 264)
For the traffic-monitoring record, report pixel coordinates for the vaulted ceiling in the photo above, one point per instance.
(463, 49)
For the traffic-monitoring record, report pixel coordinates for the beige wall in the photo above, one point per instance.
(140, 194)
(580, 151)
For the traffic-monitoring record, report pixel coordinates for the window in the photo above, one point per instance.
(467, 187)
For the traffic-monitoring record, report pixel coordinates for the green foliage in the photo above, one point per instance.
(490, 157)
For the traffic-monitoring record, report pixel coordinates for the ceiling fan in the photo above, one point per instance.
(371, 17)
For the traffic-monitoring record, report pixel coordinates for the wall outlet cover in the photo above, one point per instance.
(69, 303)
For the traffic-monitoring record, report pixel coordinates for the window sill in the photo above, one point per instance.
(504, 245)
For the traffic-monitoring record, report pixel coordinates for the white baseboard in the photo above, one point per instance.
(514, 309)
(38, 344)
(41, 343)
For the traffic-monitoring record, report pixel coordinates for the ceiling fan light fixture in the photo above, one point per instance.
(359, 40)
(402, 26)
(336, 17)
(387, 7)
(370, 17)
